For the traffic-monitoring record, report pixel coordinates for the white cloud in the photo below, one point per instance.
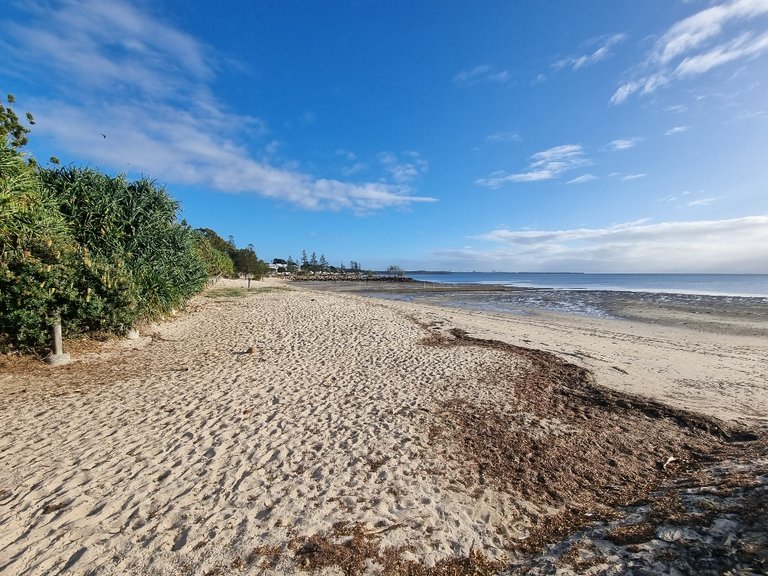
(630, 177)
(600, 53)
(695, 31)
(677, 130)
(544, 165)
(738, 245)
(582, 179)
(148, 87)
(623, 144)
(484, 74)
(355, 168)
(403, 170)
(104, 45)
(510, 136)
(744, 46)
(625, 91)
(307, 118)
(498, 179)
(272, 147)
(702, 201)
(695, 45)
(559, 158)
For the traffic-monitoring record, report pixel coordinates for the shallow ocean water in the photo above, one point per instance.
(590, 303)
(746, 285)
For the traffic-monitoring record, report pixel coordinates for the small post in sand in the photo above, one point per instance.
(58, 357)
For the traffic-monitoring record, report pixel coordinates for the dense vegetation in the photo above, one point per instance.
(100, 252)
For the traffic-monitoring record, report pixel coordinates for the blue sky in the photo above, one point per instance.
(594, 136)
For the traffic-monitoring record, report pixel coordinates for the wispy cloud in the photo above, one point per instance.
(732, 245)
(630, 177)
(603, 50)
(582, 179)
(677, 130)
(702, 201)
(483, 74)
(544, 165)
(149, 87)
(307, 118)
(404, 169)
(509, 136)
(695, 45)
(623, 144)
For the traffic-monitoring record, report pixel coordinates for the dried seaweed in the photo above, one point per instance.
(614, 448)
(352, 547)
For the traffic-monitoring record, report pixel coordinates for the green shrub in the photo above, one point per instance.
(142, 259)
(37, 254)
(217, 263)
(98, 251)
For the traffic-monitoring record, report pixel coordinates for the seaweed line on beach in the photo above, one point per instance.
(614, 450)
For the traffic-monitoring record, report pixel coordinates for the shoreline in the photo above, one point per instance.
(711, 357)
(295, 428)
(737, 315)
(738, 285)
(414, 285)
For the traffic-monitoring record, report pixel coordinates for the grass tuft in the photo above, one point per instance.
(223, 293)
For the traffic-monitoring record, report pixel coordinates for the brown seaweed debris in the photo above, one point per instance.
(352, 548)
(689, 526)
(551, 373)
(565, 442)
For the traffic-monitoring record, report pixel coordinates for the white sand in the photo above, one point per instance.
(184, 452)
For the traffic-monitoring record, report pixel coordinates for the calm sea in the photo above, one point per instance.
(745, 285)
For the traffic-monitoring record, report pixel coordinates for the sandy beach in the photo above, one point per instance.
(298, 429)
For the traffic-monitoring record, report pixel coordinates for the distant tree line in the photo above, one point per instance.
(97, 251)
(315, 264)
(229, 260)
(395, 271)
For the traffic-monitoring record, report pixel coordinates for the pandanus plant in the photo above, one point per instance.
(97, 251)
(36, 252)
(100, 252)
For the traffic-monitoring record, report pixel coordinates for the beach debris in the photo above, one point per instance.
(163, 476)
(376, 462)
(353, 547)
(247, 351)
(668, 461)
(158, 336)
(589, 458)
(51, 507)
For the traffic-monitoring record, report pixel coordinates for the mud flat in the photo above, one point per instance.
(289, 429)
